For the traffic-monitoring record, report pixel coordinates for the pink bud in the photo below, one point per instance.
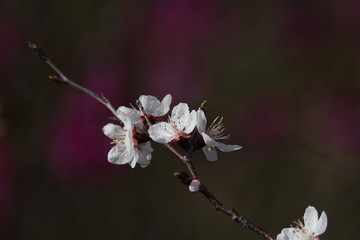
(195, 185)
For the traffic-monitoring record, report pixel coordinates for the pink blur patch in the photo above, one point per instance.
(78, 146)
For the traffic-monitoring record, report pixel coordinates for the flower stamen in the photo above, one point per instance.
(217, 128)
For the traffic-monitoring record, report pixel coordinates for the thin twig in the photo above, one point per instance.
(186, 179)
(187, 160)
(63, 79)
(236, 217)
(231, 212)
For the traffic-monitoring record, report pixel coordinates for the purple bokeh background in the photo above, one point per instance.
(285, 76)
(75, 149)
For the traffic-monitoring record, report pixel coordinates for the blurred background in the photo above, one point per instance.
(284, 74)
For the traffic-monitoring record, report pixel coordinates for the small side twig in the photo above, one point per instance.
(63, 79)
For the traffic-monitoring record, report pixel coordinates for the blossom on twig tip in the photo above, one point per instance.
(311, 229)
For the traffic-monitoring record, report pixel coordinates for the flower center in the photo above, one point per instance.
(120, 140)
(303, 232)
(176, 124)
(216, 129)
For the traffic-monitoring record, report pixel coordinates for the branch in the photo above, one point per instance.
(231, 212)
(186, 179)
(63, 79)
(184, 159)
(187, 160)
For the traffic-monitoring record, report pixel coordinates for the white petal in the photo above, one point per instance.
(179, 111)
(292, 234)
(118, 155)
(311, 219)
(129, 142)
(281, 236)
(208, 140)
(210, 153)
(113, 131)
(151, 104)
(182, 118)
(162, 132)
(321, 225)
(221, 146)
(201, 121)
(134, 158)
(165, 105)
(132, 114)
(145, 154)
(227, 148)
(124, 118)
(190, 122)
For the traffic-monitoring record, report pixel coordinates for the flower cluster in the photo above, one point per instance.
(131, 137)
(309, 230)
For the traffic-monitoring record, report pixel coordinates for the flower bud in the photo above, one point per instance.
(195, 185)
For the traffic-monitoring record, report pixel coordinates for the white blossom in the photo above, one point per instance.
(126, 148)
(311, 229)
(152, 107)
(181, 123)
(214, 132)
